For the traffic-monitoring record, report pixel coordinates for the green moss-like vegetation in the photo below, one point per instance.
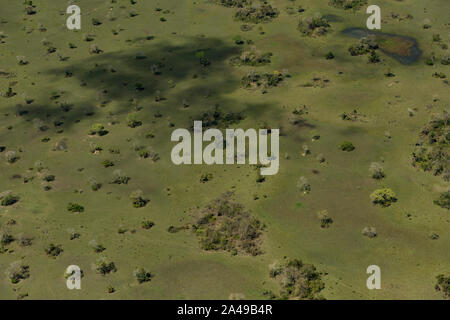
(298, 280)
(226, 225)
(432, 150)
(383, 197)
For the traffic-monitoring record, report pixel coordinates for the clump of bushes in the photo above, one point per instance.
(444, 200)
(234, 3)
(364, 46)
(313, 26)
(226, 225)
(18, 272)
(104, 266)
(298, 280)
(142, 275)
(255, 79)
(252, 57)
(348, 4)
(347, 146)
(215, 117)
(54, 250)
(383, 197)
(443, 284)
(138, 200)
(75, 207)
(262, 13)
(431, 151)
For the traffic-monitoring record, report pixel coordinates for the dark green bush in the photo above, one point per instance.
(75, 207)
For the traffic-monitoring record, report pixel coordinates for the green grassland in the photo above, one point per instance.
(101, 88)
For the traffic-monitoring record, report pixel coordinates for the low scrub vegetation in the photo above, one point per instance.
(226, 225)
(298, 280)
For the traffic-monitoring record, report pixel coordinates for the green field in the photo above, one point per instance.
(149, 66)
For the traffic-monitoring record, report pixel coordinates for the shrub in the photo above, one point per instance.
(443, 284)
(8, 200)
(94, 49)
(431, 151)
(98, 248)
(329, 55)
(95, 185)
(313, 27)
(6, 239)
(53, 250)
(348, 4)
(325, 219)
(98, 129)
(383, 196)
(104, 266)
(107, 163)
(254, 79)
(444, 200)
(11, 156)
(147, 224)
(138, 199)
(298, 280)
(142, 275)
(119, 177)
(376, 170)
(132, 121)
(347, 146)
(74, 207)
(370, 232)
(252, 57)
(364, 46)
(234, 3)
(263, 13)
(205, 177)
(18, 272)
(303, 185)
(225, 225)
